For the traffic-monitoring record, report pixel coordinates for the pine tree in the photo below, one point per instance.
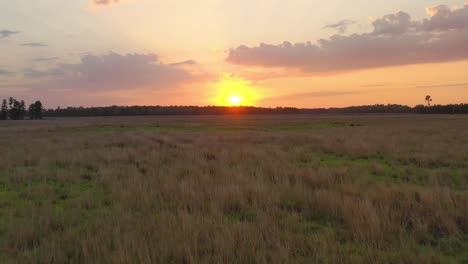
(22, 110)
(12, 110)
(31, 112)
(4, 110)
(16, 109)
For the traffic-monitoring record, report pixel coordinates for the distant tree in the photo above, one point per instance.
(12, 110)
(17, 109)
(31, 111)
(222, 110)
(22, 109)
(35, 110)
(11, 100)
(428, 100)
(4, 110)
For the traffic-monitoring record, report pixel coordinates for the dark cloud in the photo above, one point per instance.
(35, 74)
(341, 26)
(7, 33)
(443, 18)
(393, 24)
(5, 73)
(395, 40)
(107, 79)
(115, 72)
(34, 44)
(104, 2)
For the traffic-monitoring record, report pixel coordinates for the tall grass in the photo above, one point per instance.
(284, 189)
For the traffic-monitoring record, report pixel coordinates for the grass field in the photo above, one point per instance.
(235, 189)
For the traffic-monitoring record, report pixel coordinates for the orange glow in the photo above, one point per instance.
(232, 91)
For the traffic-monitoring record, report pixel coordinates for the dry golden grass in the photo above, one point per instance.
(238, 189)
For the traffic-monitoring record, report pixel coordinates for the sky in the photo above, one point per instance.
(298, 53)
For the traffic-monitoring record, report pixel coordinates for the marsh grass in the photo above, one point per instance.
(239, 189)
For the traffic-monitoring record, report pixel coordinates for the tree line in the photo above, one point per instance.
(225, 110)
(16, 110)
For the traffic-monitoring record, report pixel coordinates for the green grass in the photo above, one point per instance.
(386, 170)
(242, 216)
(65, 207)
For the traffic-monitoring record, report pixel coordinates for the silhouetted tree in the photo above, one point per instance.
(11, 100)
(17, 109)
(428, 100)
(12, 111)
(222, 110)
(4, 110)
(35, 110)
(22, 109)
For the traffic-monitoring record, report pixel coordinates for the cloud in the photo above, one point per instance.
(35, 74)
(187, 62)
(443, 18)
(7, 33)
(109, 78)
(104, 2)
(313, 94)
(393, 24)
(113, 71)
(443, 85)
(341, 26)
(395, 40)
(5, 73)
(303, 96)
(34, 44)
(47, 59)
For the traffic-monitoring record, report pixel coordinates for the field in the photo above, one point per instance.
(235, 189)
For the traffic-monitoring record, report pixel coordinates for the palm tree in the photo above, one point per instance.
(428, 100)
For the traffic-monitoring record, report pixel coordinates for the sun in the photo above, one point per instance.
(235, 100)
(234, 91)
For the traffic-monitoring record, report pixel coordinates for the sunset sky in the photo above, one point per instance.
(299, 53)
